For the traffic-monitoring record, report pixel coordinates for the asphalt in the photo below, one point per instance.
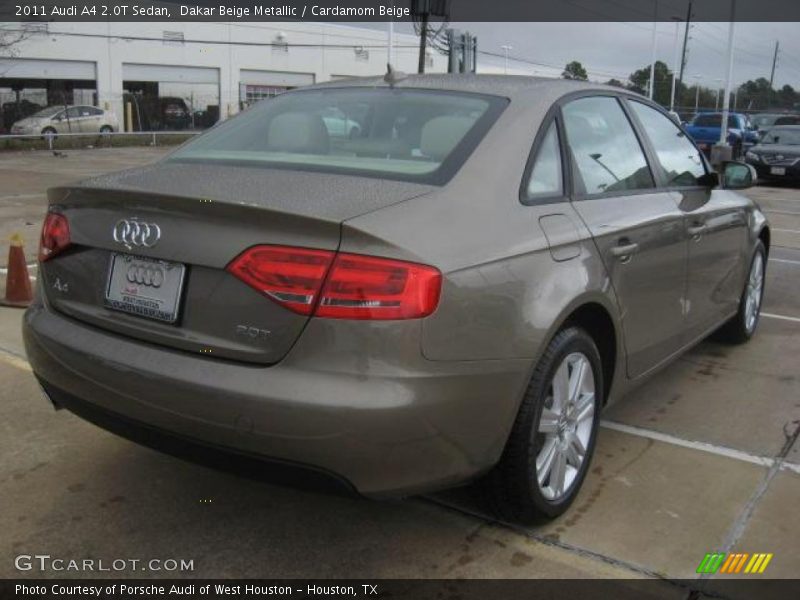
(702, 458)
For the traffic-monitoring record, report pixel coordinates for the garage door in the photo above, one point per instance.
(169, 74)
(29, 68)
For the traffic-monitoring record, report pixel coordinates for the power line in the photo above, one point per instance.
(141, 38)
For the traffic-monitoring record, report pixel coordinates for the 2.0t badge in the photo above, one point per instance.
(132, 232)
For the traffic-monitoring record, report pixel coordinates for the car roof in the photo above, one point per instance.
(508, 86)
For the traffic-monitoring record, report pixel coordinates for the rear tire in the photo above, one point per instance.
(105, 129)
(552, 441)
(742, 325)
(49, 132)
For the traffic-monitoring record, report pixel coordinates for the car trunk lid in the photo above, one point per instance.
(206, 216)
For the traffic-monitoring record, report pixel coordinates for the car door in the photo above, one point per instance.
(91, 118)
(638, 229)
(71, 121)
(715, 223)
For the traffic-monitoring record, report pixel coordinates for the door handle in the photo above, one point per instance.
(624, 251)
(697, 230)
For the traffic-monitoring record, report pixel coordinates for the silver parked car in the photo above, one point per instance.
(54, 120)
(454, 292)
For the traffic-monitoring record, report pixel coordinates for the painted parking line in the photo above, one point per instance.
(15, 360)
(23, 196)
(763, 461)
(782, 212)
(785, 260)
(781, 317)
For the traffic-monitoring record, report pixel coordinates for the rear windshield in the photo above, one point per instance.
(782, 135)
(406, 134)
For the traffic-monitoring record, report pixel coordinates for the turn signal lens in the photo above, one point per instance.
(292, 277)
(340, 286)
(55, 236)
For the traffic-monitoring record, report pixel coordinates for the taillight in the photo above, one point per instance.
(292, 277)
(340, 286)
(364, 287)
(55, 236)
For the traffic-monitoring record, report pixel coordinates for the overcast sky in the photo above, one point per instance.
(617, 49)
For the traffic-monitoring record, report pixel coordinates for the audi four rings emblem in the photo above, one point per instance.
(147, 275)
(132, 232)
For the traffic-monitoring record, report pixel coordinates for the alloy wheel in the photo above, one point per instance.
(753, 293)
(565, 426)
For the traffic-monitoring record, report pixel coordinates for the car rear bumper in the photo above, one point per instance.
(387, 428)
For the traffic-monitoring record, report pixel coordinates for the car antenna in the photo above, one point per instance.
(392, 77)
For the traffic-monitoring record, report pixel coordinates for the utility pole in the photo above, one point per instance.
(772, 73)
(423, 41)
(685, 43)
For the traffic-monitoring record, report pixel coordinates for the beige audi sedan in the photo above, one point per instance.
(451, 291)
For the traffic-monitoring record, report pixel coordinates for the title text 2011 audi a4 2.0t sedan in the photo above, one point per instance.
(450, 291)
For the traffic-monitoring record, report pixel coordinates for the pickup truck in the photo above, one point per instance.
(705, 130)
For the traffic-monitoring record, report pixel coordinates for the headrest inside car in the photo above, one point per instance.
(441, 134)
(298, 132)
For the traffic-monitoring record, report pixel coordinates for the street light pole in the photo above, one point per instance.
(506, 48)
(674, 63)
(696, 93)
(727, 154)
(653, 53)
(390, 49)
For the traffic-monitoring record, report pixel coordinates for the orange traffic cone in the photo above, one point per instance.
(18, 282)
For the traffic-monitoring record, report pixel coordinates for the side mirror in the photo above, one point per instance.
(738, 175)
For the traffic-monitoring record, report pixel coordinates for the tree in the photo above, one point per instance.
(574, 70)
(11, 35)
(615, 83)
(663, 83)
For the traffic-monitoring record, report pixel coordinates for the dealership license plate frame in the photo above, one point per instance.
(777, 171)
(168, 300)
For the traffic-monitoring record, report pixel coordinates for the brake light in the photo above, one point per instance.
(55, 236)
(292, 277)
(340, 286)
(365, 287)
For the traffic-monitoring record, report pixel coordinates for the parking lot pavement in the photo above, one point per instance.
(704, 457)
(25, 176)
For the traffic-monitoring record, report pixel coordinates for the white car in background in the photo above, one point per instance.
(55, 120)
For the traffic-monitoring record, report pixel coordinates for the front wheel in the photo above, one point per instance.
(743, 324)
(105, 130)
(552, 441)
(48, 133)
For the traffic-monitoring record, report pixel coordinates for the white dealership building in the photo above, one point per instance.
(215, 68)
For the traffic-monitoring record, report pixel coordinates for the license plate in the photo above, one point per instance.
(777, 171)
(144, 286)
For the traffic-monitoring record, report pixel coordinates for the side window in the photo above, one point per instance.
(678, 156)
(73, 112)
(606, 153)
(546, 178)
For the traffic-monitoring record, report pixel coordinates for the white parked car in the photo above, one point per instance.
(54, 120)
